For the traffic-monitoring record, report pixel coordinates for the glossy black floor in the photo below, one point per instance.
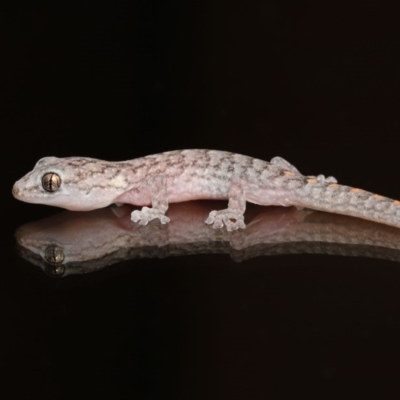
(316, 83)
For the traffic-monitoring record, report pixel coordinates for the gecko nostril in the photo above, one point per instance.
(15, 191)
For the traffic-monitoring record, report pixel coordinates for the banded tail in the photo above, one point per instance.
(340, 199)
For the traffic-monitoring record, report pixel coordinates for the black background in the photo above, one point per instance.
(315, 82)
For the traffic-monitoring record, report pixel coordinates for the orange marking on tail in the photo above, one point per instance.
(311, 180)
(356, 190)
(333, 185)
(288, 172)
(396, 202)
(377, 196)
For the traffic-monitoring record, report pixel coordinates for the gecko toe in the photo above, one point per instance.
(164, 219)
(232, 220)
(235, 224)
(146, 214)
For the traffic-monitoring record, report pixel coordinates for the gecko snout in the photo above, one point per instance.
(16, 191)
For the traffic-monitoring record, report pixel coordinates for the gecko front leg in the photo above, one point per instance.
(232, 217)
(157, 188)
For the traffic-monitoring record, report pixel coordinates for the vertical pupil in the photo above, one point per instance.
(51, 182)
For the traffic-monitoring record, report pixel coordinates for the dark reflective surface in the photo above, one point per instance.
(79, 243)
(176, 316)
(165, 308)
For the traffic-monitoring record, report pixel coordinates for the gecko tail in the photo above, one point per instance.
(346, 200)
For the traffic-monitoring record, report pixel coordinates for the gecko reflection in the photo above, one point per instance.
(77, 243)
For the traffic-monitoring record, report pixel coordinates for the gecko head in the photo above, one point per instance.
(73, 183)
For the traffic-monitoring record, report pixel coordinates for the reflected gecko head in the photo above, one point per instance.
(74, 183)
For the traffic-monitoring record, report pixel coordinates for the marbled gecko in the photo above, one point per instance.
(80, 183)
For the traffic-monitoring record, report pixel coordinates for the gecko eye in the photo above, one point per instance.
(51, 182)
(54, 254)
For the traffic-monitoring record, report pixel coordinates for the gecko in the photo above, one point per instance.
(81, 184)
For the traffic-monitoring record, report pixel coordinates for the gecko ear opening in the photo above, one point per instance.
(51, 182)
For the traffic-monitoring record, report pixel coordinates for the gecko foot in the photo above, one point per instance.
(146, 214)
(322, 179)
(231, 219)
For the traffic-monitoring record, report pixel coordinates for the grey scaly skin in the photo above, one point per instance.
(79, 183)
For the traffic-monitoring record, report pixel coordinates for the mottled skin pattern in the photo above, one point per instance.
(183, 175)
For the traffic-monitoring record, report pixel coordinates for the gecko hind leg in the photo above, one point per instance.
(328, 179)
(159, 201)
(232, 217)
(323, 179)
(282, 163)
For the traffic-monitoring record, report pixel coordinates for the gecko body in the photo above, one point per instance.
(80, 184)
